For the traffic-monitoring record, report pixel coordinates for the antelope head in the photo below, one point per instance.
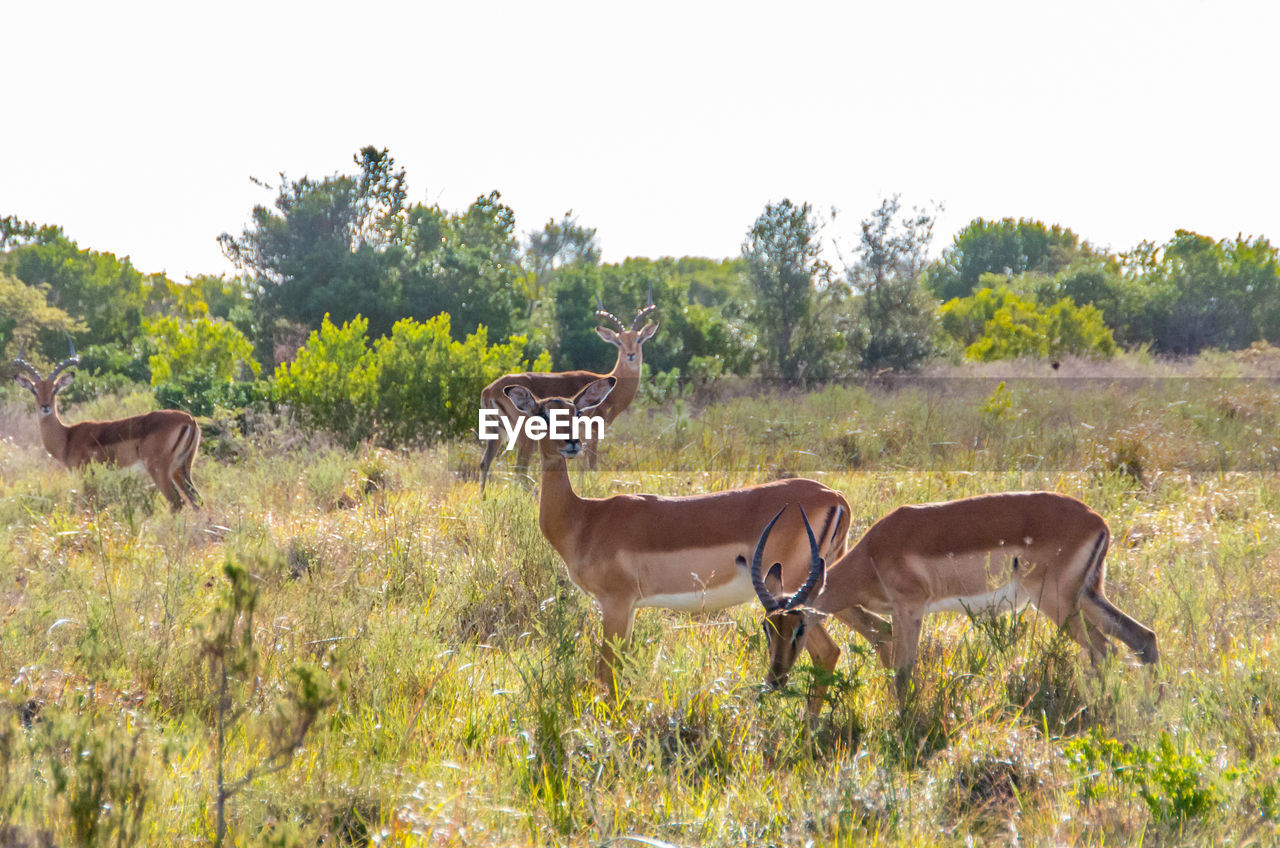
(563, 409)
(785, 618)
(46, 389)
(627, 341)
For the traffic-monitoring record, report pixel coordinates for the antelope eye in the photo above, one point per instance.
(795, 637)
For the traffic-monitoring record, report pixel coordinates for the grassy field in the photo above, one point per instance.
(424, 651)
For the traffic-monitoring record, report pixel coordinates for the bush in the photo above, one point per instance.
(428, 385)
(996, 323)
(196, 363)
(197, 345)
(201, 393)
(332, 384)
(1177, 786)
(416, 384)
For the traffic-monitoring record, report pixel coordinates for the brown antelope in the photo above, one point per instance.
(626, 371)
(989, 553)
(632, 551)
(162, 442)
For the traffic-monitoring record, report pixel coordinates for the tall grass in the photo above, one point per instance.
(463, 655)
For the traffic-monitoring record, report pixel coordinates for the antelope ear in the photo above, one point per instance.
(608, 335)
(63, 381)
(773, 580)
(594, 394)
(522, 398)
(25, 381)
(647, 332)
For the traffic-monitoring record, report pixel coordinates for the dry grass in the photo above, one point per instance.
(463, 655)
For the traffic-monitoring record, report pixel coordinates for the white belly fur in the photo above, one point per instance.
(1006, 598)
(736, 591)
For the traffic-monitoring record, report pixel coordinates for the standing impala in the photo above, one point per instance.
(163, 442)
(626, 371)
(632, 551)
(982, 554)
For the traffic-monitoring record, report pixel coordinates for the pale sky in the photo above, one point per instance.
(667, 126)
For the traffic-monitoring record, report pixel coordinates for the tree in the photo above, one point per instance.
(466, 265)
(107, 295)
(25, 314)
(15, 232)
(897, 316)
(1204, 293)
(1007, 246)
(329, 246)
(560, 243)
(713, 282)
(784, 267)
(572, 295)
(215, 296)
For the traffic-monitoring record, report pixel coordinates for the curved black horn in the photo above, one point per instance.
(22, 363)
(757, 579)
(816, 566)
(643, 311)
(608, 316)
(73, 359)
(641, 314)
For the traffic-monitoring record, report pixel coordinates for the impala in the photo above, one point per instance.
(988, 553)
(626, 373)
(162, 442)
(632, 551)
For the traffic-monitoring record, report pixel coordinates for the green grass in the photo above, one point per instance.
(461, 656)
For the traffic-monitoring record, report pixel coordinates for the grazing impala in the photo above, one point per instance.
(626, 371)
(987, 553)
(631, 551)
(163, 442)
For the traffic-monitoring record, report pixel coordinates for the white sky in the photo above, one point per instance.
(667, 126)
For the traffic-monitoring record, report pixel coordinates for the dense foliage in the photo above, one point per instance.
(999, 323)
(418, 384)
(355, 248)
(1007, 246)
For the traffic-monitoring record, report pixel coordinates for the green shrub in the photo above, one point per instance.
(110, 369)
(201, 393)
(332, 384)
(196, 362)
(418, 384)
(195, 345)
(428, 385)
(1176, 786)
(996, 323)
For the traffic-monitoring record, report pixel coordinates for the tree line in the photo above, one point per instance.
(350, 253)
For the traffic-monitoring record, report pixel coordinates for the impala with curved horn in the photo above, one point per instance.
(981, 554)
(163, 442)
(632, 551)
(626, 371)
(777, 606)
